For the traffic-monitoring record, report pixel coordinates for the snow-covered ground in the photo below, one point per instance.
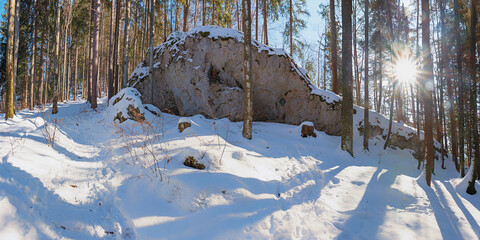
(102, 179)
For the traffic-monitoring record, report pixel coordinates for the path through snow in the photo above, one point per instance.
(97, 182)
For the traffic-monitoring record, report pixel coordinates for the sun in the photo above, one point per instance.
(405, 70)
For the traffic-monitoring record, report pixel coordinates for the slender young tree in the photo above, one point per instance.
(110, 87)
(116, 47)
(186, 11)
(126, 42)
(247, 70)
(461, 112)
(33, 54)
(427, 84)
(333, 47)
(290, 28)
(265, 27)
(57, 59)
(10, 93)
(152, 20)
(347, 73)
(75, 75)
(473, 96)
(94, 69)
(366, 122)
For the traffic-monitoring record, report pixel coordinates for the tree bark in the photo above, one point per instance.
(427, 83)
(290, 29)
(186, 11)
(256, 20)
(110, 87)
(473, 97)
(247, 70)
(75, 75)
(116, 48)
(57, 59)
(150, 74)
(204, 12)
(265, 22)
(33, 54)
(10, 91)
(126, 42)
(461, 122)
(347, 103)
(333, 46)
(366, 130)
(96, 14)
(355, 55)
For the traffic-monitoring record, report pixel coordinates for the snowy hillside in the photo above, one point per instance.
(109, 180)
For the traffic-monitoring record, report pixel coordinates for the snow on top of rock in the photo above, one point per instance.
(307, 123)
(140, 72)
(120, 102)
(176, 39)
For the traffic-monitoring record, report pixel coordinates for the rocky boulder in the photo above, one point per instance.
(201, 72)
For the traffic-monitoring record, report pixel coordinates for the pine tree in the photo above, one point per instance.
(94, 69)
(333, 46)
(427, 84)
(461, 112)
(366, 122)
(247, 70)
(10, 94)
(347, 73)
(473, 96)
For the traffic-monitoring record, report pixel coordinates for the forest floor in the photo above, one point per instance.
(102, 179)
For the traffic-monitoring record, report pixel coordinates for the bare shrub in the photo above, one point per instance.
(50, 128)
(143, 143)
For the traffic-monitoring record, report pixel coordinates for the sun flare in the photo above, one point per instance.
(405, 70)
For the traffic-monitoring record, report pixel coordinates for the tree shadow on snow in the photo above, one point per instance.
(54, 218)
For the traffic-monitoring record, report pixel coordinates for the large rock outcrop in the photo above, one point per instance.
(201, 72)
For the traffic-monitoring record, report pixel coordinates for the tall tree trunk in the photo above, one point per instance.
(265, 27)
(15, 50)
(213, 11)
(96, 15)
(441, 64)
(57, 59)
(427, 83)
(333, 47)
(150, 74)
(33, 54)
(110, 87)
(380, 77)
(290, 29)
(186, 11)
(247, 70)
(204, 13)
(126, 43)
(75, 75)
(10, 91)
(366, 121)
(347, 103)
(195, 14)
(116, 47)
(355, 55)
(256, 20)
(473, 97)
(461, 112)
(38, 94)
(165, 20)
(65, 54)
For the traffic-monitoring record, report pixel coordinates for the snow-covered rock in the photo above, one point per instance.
(127, 105)
(201, 72)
